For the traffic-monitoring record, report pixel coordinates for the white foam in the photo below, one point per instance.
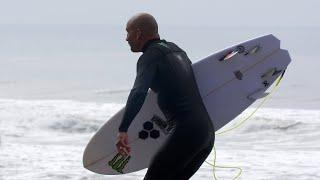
(45, 139)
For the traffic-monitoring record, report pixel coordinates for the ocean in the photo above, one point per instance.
(60, 83)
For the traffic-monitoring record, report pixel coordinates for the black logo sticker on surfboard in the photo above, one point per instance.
(165, 126)
(265, 83)
(119, 162)
(148, 130)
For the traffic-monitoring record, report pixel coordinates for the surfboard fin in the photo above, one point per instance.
(239, 49)
(253, 50)
(271, 72)
(257, 95)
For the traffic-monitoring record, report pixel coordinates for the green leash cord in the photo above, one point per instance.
(214, 166)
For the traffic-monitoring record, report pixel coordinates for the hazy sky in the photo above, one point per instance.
(168, 12)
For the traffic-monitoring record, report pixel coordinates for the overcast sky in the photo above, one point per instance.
(168, 12)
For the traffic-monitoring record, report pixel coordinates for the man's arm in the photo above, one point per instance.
(146, 70)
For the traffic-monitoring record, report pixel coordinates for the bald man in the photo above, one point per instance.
(166, 69)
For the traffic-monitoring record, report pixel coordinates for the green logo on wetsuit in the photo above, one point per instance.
(119, 162)
(163, 44)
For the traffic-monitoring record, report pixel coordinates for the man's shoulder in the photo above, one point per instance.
(158, 50)
(151, 55)
(165, 47)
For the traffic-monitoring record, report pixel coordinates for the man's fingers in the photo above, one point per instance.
(126, 146)
(122, 141)
(123, 145)
(124, 151)
(126, 140)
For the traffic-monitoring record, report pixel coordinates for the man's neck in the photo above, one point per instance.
(148, 42)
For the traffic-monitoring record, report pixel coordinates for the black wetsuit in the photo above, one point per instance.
(166, 69)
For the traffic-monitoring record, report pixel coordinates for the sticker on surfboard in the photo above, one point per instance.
(165, 126)
(148, 131)
(119, 162)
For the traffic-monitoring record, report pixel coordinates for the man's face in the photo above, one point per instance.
(134, 38)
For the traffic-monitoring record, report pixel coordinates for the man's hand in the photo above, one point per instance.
(122, 143)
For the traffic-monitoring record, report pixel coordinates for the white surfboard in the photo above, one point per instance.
(229, 81)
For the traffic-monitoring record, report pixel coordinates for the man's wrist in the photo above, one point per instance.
(122, 130)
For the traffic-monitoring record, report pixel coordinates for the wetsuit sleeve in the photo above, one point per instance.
(146, 71)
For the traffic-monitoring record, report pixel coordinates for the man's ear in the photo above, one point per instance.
(139, 34)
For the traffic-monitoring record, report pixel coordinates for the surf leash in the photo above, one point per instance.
(214, 166)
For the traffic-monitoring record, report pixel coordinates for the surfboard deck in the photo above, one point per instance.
(229, 81)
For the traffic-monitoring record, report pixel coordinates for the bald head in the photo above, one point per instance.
(145, 22)
(141, 28)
